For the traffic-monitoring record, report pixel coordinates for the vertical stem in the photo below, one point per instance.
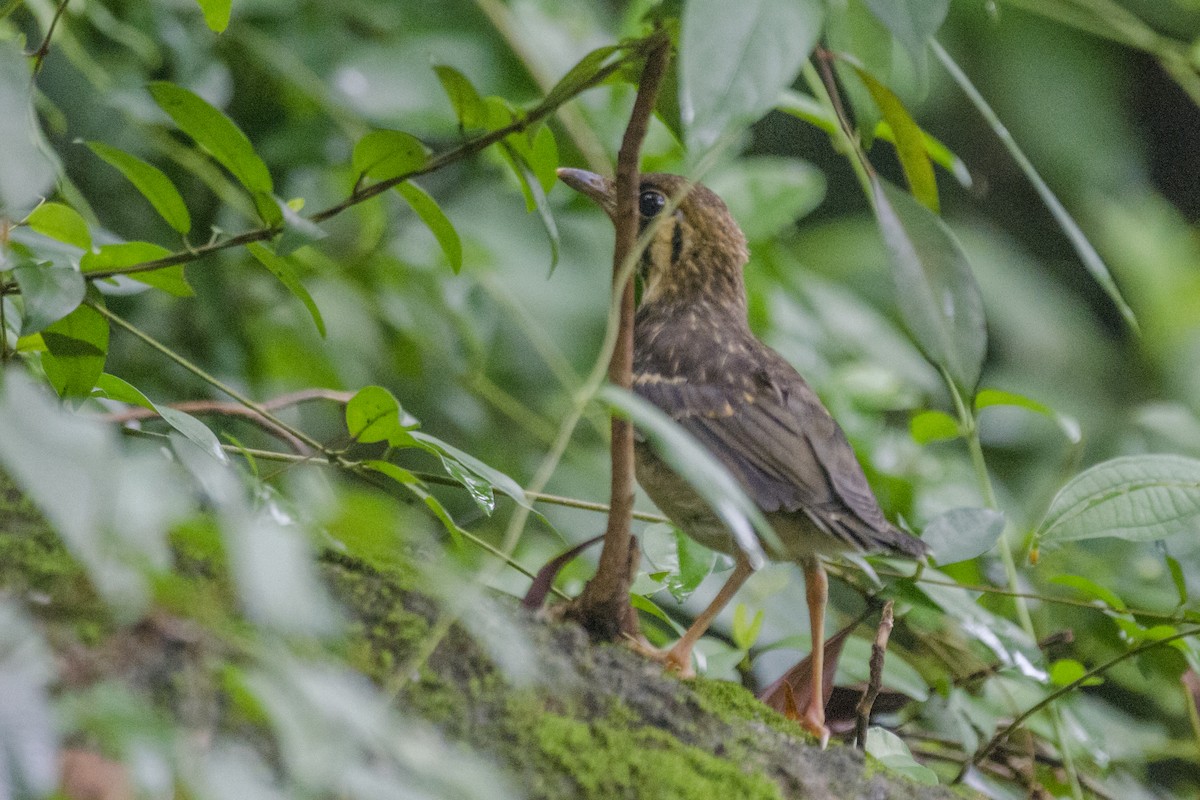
(603, 607)
(970, 425)
(825, 90)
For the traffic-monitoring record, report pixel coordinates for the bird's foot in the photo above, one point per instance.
(813, 721)
(677, 659)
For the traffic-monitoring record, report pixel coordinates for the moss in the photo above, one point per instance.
(34, 562)
(609, 760)
(733, 703)
(572, 752)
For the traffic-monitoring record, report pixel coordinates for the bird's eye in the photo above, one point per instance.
(651, 202)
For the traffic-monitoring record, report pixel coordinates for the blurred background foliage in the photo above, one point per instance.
(1101, 95)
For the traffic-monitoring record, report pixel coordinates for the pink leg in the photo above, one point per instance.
(679, 657)
(816, 587)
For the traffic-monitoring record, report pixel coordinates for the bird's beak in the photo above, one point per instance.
(597, 187)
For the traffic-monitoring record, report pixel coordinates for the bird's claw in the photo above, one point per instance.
(676, 660)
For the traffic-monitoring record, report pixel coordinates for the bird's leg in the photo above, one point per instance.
(679, 657)
(816, 588)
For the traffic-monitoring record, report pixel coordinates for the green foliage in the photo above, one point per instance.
(936, 292)
(734, 61)
(152, 182)
(432, 303)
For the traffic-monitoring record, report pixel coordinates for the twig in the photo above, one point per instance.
(269, 425)
(1007, 731)
(43, 50)
(878, 651)
(603, 607)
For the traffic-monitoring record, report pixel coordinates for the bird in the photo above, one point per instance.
(696, 359)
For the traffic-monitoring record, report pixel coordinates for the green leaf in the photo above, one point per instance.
(937, 295)
(215, 132)
(1066, 671)
(933, 426)
(386, 154)
(436, 220)
(698, 467)
(216, 14)
(576, 77)
(767, 194)
(735, 58)
(1137, 498)
(61, 223)
(544, 157)
(986, 398)
(29, 737)
(50, 293)
(26, 171)
(193, 430)
(535, 198)
(695, 563)
(648, 606)
(282, 269)
(114, 388)
(805, 107)
(152, 182)
(468, 105)
(125, 254)
(891, 751)
(373, 415)
(998, 397)
(197, 432)
(76, 348)
(412, 484)
(1090, 589)
(493, 477)
(745, 631)
(962, 533)
(398, 474)
(910, 142)
(1087, 254)
(912, 22)
(1177, 576)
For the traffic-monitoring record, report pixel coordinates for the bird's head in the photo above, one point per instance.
(696, 251)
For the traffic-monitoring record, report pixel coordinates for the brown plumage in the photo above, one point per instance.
(696, 359)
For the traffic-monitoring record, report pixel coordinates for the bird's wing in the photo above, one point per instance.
(785, 450)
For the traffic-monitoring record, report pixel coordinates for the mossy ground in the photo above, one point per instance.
(586, 721)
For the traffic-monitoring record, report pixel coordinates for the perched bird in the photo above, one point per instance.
(696, 359)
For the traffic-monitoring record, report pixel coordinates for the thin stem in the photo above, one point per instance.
(209, 379)
(43, 50)
(845, 140)
(1005, 732)
(969, 422)
(607, 593)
